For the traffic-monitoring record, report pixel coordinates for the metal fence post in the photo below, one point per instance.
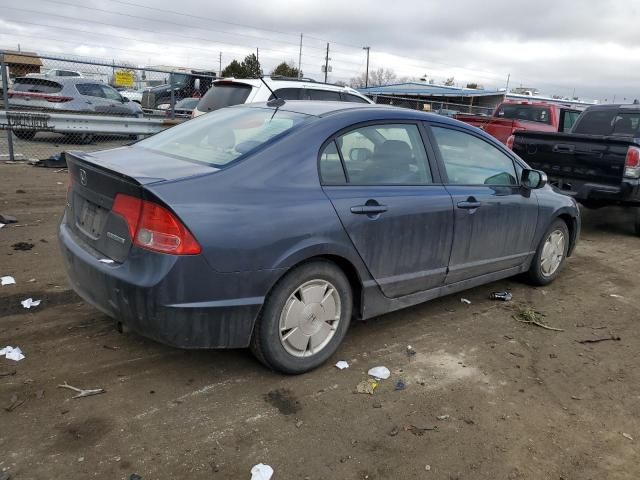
(173, 96)
(5, 98)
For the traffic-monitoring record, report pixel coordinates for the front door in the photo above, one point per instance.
(399, 220)
(495, 218)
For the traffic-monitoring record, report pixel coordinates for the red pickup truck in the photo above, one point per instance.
(512, 116)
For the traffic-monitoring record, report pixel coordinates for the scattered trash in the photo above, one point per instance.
(615, 295)
(400, 385)
(105, 260)
(22, 246)
(30, 302)
(443, 417)
(83, 392)
(109, 347)
(15, 403)
(4, 218)
(601, 339)
(31, 280)
(504, 296)
(468, 421)
(342, 365)
(261, 472)
(528, 315)
(381, 373)
(410, 351)
(419, 431)
(427, 467)
(517, 354)
(1, 225)
(299, 423)
(627, 436)
(394, 431)
(135, 476)
(12, 353)
(573, 397)
(56, 160)
(465, 301)
(7, 280)
(367, 386)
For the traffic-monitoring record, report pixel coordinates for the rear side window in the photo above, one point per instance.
(322, 95)
(331, 170)
(391, 154)
(221, 137)
(287, 93)
(36, 85)
(627, 124)
(91, 90)
(595, 122)
(529, 113)
(469, 160)
(348, 97)
(222, 95)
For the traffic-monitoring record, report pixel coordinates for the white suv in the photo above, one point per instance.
(234, 91)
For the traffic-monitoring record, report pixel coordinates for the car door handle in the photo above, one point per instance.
(368, 209)
(468, 205)
(563, 148)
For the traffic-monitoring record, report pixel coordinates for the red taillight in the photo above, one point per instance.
(632, 163)
(510, 141)
(154, 227)
(40, 96)
(56, 99)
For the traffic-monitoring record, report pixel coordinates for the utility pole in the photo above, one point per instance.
(508, 77)
(326, 64)
(220, 65)
(258, 54)
(300, 59)
(366, 75)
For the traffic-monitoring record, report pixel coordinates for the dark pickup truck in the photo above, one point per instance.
(598, 162)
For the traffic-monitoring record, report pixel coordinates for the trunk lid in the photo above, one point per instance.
(96, 179)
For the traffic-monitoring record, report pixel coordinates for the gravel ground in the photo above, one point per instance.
(486, 397)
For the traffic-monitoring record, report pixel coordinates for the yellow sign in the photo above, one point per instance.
(123, 78)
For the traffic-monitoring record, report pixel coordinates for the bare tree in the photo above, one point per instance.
(449, 82)
(378, 77)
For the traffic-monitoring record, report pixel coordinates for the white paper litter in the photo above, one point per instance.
(7, 280)
(12, 353)
(1, 225)
(30, 302)
(261, 472)
(106, 260)
(627, 436)
(380, 372)
(342, 365)
(615, 295)
(465, 301)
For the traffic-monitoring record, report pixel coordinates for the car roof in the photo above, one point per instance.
(319, 108)
(291, 82)
(615, 106)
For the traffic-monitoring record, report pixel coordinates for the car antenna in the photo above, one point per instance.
(275, 101)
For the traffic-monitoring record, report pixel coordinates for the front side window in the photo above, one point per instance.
(469, 160)
(111, 93)
(223, 136)
(569, 118)
(384, 155)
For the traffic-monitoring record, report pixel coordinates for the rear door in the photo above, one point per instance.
(495, 218)
(94, 97)
(397, 214)
(116, 105)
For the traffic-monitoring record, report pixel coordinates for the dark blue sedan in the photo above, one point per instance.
(271, 226)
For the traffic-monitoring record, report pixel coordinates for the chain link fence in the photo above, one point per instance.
(51, 104)
(441, 107)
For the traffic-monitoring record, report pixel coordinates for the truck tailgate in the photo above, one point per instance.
(586, 158)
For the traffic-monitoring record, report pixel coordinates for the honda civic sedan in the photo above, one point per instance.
(272, 226)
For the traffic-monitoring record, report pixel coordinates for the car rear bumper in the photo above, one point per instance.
(178, 301)
(627, 191)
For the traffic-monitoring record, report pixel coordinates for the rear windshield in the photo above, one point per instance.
(222, 95)
(223, 136)
(36, 85)
(529, 113)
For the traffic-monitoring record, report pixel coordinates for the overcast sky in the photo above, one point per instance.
(557, 46)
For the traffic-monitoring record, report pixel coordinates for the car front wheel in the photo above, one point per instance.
(25, 134)
(304, 318)
(551, 254)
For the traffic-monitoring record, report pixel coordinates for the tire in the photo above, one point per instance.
(543, 274)
(283, 336)
(81, 138)
(637, 221)
(25, 134)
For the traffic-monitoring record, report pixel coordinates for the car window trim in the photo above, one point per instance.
(435, 174)
(442, 166)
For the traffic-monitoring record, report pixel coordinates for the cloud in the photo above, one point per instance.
(559, 47)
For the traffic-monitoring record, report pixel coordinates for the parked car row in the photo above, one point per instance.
(272, 225)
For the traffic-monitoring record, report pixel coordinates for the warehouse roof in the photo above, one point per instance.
(427, 90)
(22, 58)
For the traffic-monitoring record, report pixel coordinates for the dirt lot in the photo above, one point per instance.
(522, 402)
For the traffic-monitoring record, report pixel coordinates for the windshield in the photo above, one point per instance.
(221, 137)
(528, 113)
(224, 95)
(187, 103)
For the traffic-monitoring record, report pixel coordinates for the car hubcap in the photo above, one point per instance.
(552, 253)
(310, 318)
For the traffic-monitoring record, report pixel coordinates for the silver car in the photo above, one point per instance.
(68, 94)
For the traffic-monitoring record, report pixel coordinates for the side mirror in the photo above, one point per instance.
(533, 179)
(125, 100)
(196, 84)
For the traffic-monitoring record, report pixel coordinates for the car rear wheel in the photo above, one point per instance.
(304, 318)
(25, 134)
(551, 254)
